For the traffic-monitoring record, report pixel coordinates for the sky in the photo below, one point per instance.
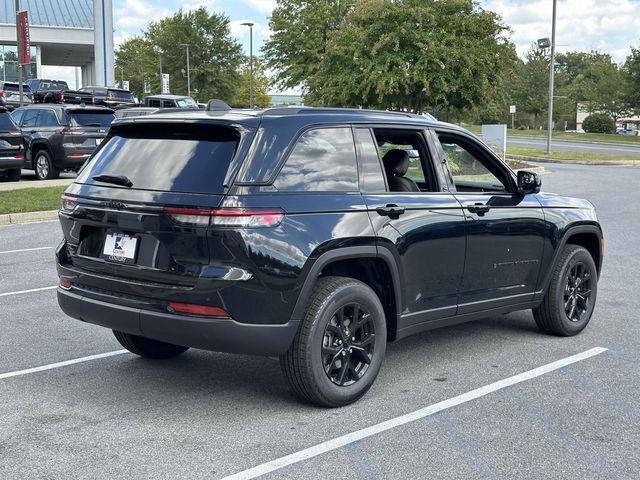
(610, 26)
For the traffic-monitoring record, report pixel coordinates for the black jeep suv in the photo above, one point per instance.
(61, 137)
(315, 235)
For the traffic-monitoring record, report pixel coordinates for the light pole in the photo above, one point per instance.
(250, 25)
(552, 66)
(18, 43)
(159, 51)
(186, 45)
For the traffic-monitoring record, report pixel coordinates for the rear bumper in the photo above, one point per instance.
(220, 335)
(10, 162)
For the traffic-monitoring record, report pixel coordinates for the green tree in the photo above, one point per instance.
(598, 123)
(301, 31)
(530, 91)
(261, 85)
(215, 56)
(413, 55)
(136, 62)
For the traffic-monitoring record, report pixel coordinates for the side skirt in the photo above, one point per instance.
(405, 330)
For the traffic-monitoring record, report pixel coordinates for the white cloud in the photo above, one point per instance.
(210, 5)
(260, 31)
(264, 6)
(608, 26)
(134, 16)
(68, 74)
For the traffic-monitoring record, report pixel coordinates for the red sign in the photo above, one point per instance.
(24, 38)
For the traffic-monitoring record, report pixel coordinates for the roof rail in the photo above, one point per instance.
(215, 105)
(329, 110)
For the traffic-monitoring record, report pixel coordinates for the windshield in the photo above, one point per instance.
(175, 158)
(6, 123)
(14, 87)
(186, 103)
(91, 119)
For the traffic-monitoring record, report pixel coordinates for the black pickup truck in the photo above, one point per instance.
(56, 91)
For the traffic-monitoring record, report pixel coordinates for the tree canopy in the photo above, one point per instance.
(215, 56)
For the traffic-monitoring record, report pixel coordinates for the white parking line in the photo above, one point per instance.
(26, 250)
(51, 366)
(31, 290)
(409, 417)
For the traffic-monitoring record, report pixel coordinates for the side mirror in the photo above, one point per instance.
(528, 182)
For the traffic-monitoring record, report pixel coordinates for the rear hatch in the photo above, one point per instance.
(135, 212)
(11, 93)
(87, 127)
(11, 141)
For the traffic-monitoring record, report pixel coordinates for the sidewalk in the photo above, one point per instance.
(6, 186)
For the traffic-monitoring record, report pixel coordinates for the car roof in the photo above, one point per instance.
(64, 106)
(167, 97)
(297, 115)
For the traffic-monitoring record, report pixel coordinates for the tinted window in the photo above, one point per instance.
(53, 85)
(120, 95)
(177, 158)
(91, 119)
(168, 104)
(370, 167)
(154, 103)
(47, 118)
(323, 160)
(17, 116)
(186, 103)
(30, 117)
(6, 123)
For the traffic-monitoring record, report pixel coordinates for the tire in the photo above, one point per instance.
(44, 167)
(148, 348)
(315, 365)
(555, 315)
(14, 174)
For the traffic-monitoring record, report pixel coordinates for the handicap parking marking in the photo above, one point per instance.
(358, 435)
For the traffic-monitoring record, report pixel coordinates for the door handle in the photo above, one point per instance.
(391, 210)
(33, 131)
(479, 208)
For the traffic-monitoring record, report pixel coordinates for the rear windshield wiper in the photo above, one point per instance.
(115, 179)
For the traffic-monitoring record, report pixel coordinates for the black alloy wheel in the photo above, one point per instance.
(348, 344)
(577, 292)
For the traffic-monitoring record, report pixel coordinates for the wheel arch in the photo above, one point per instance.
(374, 266)
(36, 147)
(587, 236)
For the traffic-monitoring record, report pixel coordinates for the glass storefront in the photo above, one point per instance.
(9, 64)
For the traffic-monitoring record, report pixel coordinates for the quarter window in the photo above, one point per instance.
(370, 168)
(47, 119)
(323, 160)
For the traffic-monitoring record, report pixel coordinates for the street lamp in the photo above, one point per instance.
(159, 51)
(250, 25)
(546, 43)
(186, 45)
(18, 44)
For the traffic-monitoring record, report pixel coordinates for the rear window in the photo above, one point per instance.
(176, 158)
(14, 87)
(44, 85)
(91, 119)
(186, 103)
(6, 122)
(120, 95)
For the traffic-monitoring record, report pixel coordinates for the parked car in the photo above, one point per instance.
(170, 101)
(11, 147)
(114, 98)
(135, 112)
(10, 95)
(285, 233)
(61, 137)
(56, 91)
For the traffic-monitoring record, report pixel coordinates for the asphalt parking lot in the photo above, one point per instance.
(209, 415)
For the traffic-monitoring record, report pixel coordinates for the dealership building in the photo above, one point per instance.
(66, 33)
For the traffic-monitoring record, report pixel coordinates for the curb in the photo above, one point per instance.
(525, 158)
(573, 140)
(28, 217)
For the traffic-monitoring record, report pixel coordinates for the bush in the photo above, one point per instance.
(598, 123)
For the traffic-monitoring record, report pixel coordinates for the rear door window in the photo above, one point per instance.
(323, 160)
(371, 173)
(46, 118)
(175, 158)
(30, 117)
(91, 119)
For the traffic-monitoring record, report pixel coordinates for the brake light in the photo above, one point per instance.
(69, 203)
(201, 310)
(1, 93)
(61, 96)
(77, 155)
(64, 283)
(226, 217)
(246, 218)
(19, 156)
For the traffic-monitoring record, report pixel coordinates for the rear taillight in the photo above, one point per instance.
(201, 310)
(227, 217)
(64, 283)
(70, 131)
(19, 156)
(69, 203)
(61, 96)
(1, 93)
